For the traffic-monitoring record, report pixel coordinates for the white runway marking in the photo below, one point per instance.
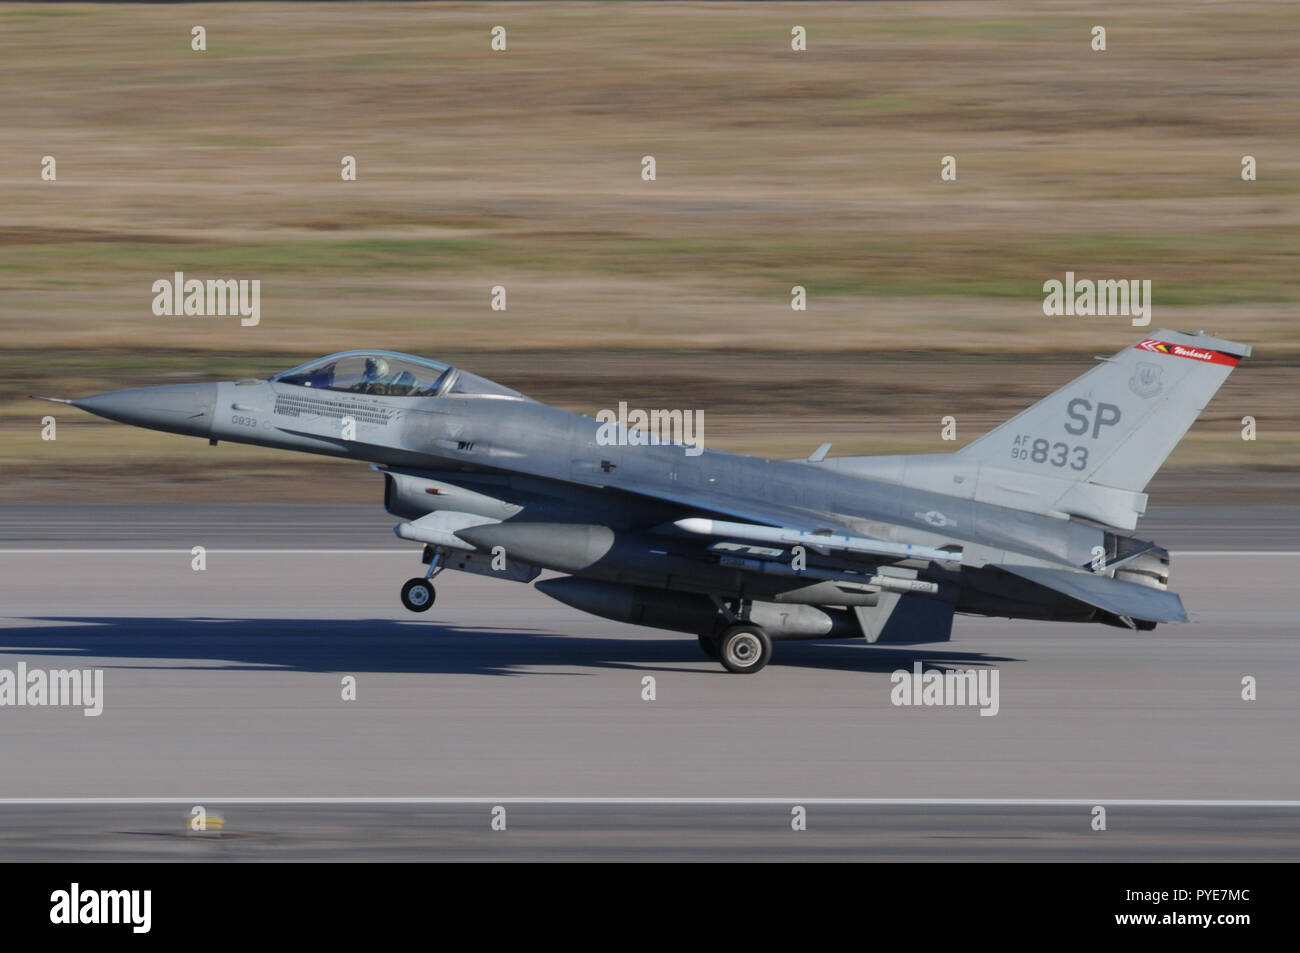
(658, 801)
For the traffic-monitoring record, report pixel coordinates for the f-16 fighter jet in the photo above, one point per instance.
(1030, 521)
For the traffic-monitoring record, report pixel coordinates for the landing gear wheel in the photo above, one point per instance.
(744, 649)
(709, 643)
(418, 595)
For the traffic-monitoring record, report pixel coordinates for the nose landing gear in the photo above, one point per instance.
(418, 594)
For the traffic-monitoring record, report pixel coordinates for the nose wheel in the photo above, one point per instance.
(418, 595)
(744, 649)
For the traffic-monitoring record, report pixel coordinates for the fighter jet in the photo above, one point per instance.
(1030, 521)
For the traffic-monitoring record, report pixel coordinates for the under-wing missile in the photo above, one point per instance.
(874, 580)
(796, 537)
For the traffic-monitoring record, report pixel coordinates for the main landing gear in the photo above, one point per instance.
(418, 594)
(744, 649)
(741, 646)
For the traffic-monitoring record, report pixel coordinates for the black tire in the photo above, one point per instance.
(744, 649)
(709, 645)
(418, 595)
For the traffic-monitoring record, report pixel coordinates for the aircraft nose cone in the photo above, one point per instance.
(176, 408)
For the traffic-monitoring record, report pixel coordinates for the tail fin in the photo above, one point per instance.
(1111, 429)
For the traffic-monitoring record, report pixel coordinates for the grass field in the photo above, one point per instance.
(522, 168)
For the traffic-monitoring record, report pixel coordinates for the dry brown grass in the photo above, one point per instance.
(522, 169)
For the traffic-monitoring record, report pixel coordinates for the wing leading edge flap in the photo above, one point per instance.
(1113, 595)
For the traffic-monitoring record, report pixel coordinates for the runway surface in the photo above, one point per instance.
(228, 682)
(687, 832)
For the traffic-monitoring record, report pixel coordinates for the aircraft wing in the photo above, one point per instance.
(1113, 595)
(783, 525)
(749, 510)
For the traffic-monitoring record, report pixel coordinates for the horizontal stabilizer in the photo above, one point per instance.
(1112, 595)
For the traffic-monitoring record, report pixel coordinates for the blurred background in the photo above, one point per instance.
(523, 168)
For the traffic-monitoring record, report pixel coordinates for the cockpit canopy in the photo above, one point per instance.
(390, 374)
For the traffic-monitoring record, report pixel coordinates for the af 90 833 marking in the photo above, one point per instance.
(1041, 450)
